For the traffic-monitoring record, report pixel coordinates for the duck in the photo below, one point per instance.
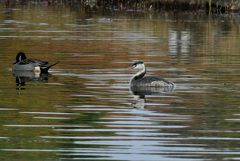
(138, 79)
(35, 65)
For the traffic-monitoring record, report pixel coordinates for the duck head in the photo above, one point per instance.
(20, 56)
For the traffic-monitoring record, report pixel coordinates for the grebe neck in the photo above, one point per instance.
(138, 75)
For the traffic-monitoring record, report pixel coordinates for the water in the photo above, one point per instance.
(84, 109)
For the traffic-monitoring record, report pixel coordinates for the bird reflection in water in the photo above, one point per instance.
(29, 76)
(140, 92)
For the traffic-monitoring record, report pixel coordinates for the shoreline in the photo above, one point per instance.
(203, 6)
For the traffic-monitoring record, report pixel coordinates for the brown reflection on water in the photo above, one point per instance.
(84, 110)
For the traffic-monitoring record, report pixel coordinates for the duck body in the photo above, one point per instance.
(24, 64)
(138, 80)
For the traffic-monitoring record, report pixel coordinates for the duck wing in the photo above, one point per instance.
(35, 62)
(39, 63)
(44, 66)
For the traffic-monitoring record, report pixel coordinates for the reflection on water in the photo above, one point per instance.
(83, 110)
(140, 102)
(179, 42)
(140, 92)
(29, 76)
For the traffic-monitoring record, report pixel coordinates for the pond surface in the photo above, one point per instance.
(84, 109)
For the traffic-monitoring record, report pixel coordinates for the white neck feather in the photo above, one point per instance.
(141, 71)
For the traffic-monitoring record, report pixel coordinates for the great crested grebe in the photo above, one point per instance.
(24, 64)
(138, 80)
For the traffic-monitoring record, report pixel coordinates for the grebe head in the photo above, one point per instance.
(141, 70)
(139, 65)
